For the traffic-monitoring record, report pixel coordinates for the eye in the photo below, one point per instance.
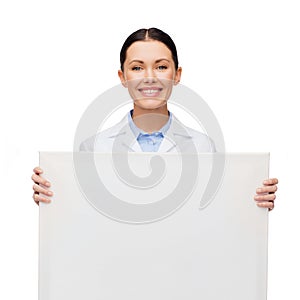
(162, 67)
(136, 68)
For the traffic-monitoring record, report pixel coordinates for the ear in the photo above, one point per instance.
(122, 78)
(177, 76)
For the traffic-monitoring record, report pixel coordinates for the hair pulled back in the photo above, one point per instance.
(149, 34)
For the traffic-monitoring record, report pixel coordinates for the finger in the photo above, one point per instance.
(270, 181)
(38, 198)
(39, 189)
(267, 197)
(269, 204)
(267, 189)
(37, 170)
(40, 180)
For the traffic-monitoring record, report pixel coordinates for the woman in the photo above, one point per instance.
(149, 69)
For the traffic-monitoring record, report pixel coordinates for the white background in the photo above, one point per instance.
(242, 57)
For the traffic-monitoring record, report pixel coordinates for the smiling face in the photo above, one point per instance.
(149, 74)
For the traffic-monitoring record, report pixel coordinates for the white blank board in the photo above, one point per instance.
(219, 252)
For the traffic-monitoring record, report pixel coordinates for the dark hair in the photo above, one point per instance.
(149, 34)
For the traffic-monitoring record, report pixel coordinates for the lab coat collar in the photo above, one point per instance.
(124, 138)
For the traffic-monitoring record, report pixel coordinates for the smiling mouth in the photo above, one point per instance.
(150, 92)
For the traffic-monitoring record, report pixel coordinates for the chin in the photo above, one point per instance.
(150, 103)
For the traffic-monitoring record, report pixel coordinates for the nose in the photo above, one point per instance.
(150, 76)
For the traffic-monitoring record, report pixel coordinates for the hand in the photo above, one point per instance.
(40, 187)
(265, 195)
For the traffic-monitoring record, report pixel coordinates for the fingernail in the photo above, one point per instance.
(48, 184)
(50, 193)
(259, 190)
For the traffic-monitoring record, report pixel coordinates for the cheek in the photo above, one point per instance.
(170, 75)
(133, 75)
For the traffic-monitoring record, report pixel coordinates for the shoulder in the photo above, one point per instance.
(201, 140)
(101, 141)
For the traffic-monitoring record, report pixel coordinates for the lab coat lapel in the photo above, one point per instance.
(175, 138)
(168, 144)
(124, 139)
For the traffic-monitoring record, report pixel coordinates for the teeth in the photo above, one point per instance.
(150, 91)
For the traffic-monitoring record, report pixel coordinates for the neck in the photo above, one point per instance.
(150, 120)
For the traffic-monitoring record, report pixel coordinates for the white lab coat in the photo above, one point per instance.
(120, 138)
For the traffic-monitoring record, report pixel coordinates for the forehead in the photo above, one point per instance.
(148, 50)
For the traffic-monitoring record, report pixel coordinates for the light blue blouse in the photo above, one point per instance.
(149, 142)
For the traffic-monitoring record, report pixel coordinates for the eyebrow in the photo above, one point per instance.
(141, 62)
